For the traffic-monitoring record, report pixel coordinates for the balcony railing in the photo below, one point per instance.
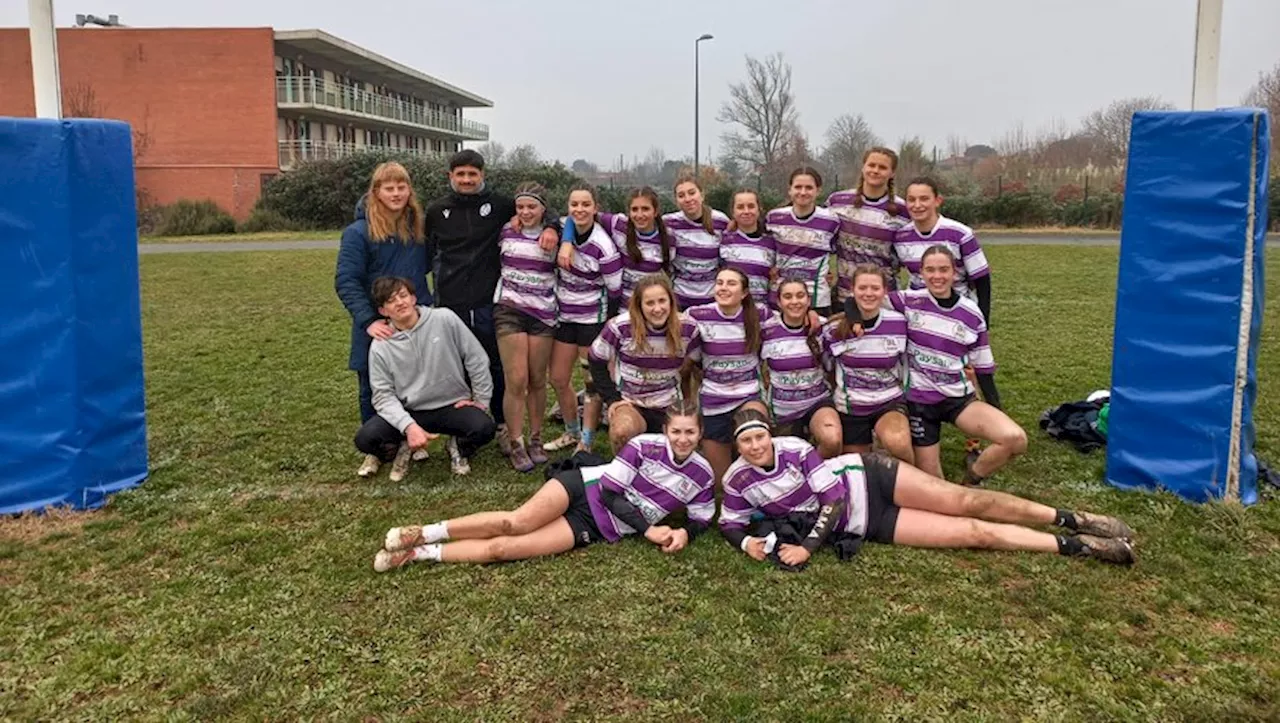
(294, 152)
(316, 92)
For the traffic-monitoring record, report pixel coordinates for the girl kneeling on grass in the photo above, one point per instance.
(653, 476)
(874, 497)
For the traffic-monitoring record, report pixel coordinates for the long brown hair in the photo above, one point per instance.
(891, 206)
(811, 335)
(595, 200)
(410, 225)
(853, 317)
(750, 314)
(683, 407)
(640, 326)
(633, 246)
(686, 176)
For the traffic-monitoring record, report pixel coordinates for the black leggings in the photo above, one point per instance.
(469, 425)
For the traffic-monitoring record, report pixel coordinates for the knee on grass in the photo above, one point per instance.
(1014, 440)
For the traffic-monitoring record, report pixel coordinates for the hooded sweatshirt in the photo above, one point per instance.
(426, 367)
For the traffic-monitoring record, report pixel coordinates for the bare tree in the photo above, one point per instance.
(1110, 125)
(848, 138)
(494, 153)
(81, 101)
(523, 156)
(765, 108)
(1266, 94)
(956, 146)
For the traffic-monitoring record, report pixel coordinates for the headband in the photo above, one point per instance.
(534, 196)
(749, 425)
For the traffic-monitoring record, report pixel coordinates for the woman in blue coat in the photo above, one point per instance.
(386, 239)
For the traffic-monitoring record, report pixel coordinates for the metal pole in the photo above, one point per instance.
(44, 59)
(1204, 82)
(696, 47)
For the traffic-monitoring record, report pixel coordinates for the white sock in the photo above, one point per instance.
(430, 553)
(436, 532)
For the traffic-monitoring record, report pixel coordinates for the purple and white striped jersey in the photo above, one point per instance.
(870, 368)
(910, 245)
(646, 473)
(647, 377)
(798, 482)
(595, 276)
(939, 343)
(805, 247)
(866, 235)
(528, 279)
(797, 381)
(649, 245)
(754, 257)
(730, 373)
(696, 256)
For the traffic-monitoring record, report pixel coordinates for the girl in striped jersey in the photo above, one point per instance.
(944, 331)
(730, 332)
(854, 498)
(697, 230)
(653, 476)
(930, 228)
(647, 345)
(866, 348)
(524, 318)
(806, 237)
(797, 388)
(869, 217)
(746, 245)
(642, 237)
(587, 293)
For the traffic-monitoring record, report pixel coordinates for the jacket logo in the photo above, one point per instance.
(485, 209)
(445, 212)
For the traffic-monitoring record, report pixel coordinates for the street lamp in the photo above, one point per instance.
(696, 44)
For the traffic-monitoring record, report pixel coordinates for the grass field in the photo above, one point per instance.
(241, 237)
(237, 581)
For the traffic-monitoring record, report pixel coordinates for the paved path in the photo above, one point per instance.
(987, 240)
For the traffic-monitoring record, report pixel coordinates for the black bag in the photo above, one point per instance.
(577, 461)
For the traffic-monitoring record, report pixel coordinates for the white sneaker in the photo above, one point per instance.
(400, 465)
(421, 455)
(386, 561)
(564, 441)
(457, 462)
(370, 466)
(403, 538)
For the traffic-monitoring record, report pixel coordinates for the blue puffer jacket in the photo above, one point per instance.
(360, 262)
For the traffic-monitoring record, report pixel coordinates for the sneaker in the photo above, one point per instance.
(564, 441)
(457, 462)
(385, 561)
(505, 443)
(421, 455)
(1102, 526)
(370, 466)
(403, 538)
(535, 450)
(520, 458)
(400, 465)
(1107, 549)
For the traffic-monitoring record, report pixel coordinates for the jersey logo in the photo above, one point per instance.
(445, 212)
(485, 209)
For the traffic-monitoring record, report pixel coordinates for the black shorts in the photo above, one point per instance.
(653, 418)
(926, 419)
(719, 427)
(882, 513)
(578, 515)
(800, 427)
(577, 334)
(861, 429)
(508, 320)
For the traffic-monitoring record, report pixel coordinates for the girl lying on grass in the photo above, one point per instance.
(653, 476)
(850, 498)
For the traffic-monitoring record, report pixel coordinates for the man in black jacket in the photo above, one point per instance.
(463, 229)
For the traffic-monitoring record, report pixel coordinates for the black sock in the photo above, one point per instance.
(1067, 519)
(1069, 546)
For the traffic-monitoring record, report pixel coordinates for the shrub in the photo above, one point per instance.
(194, 218)
(1021, 208)
(968, 210)
(263, 219)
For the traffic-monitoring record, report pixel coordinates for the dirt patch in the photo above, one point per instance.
(34, 527)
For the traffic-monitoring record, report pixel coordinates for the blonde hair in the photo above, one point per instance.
(410, 226)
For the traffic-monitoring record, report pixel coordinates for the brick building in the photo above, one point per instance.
(217, 111)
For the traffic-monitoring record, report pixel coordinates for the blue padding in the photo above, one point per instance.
(72, 412)
(1195, 197)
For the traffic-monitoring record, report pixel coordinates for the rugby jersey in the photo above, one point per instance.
(647, 377)
(650, 246)
(754, 257)
(696, 256)
(583, 291)
(730, 373)
(527, 281)
(800, 481)
(909, 243)
(866, 236)
(939, 342)
(646, 473)
(797, 380)
(805, 248)
(869, 369)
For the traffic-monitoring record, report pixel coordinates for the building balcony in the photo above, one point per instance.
(342, 103)
(293, 153)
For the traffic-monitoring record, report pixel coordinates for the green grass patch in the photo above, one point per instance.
(241, 237)
(237, 582)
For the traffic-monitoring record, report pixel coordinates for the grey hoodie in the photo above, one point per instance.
(423, 368)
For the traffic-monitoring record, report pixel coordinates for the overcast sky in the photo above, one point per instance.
(597, 78)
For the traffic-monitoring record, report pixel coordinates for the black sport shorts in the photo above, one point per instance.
(926, 419)
(509, 320)
(861, 429)
(577, 334)
(579, 516)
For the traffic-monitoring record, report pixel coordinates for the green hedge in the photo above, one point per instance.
(194, 218)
